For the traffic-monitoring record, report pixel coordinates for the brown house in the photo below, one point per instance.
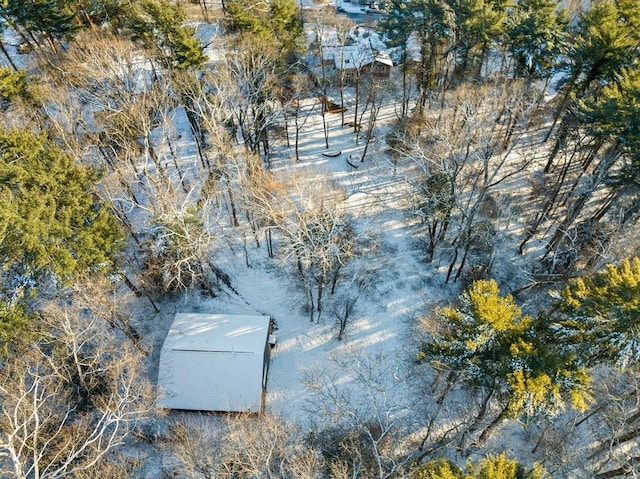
(354, 61)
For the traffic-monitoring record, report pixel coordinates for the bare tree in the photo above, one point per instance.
(318, 236)
(105, 300)
(357, 406)
(179, 256)
(243, 446)
(263, 197)
(300, 108)
(70, 399)
(310, 216)
(247, 81)
(323, 28)
(375, 99)
(461, 157)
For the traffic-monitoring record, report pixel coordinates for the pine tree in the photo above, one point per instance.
(276, 21)
(438, 469)
(16, 326)
(51, 222)
(40, 20)
(102, 13)
(535, 36)
(478, 23)
(613, 118)
(13, 84)
(491, 345)
(429, 21)
(600, 315)
(605, 41)
(491, 467)
(501, 467)
(158, 24)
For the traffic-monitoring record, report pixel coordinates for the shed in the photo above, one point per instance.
(381, 66)
(351, 60)
(215, 362)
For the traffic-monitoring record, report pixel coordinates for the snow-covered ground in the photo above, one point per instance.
(381, 336)
(401, 287)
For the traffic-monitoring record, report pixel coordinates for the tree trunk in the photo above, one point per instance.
(355, 107)
(325, 127)
(563, 105)
(319, 300)
(234, 214)
(405, 94)
(297, 139)
(334, 280)
(625, 470)
(138, 292)
(269, 242)
(7, 56)
(484, 435)
(205, 10)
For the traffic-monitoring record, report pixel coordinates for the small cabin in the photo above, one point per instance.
(215, 362)
(381, 66)
(354, 61)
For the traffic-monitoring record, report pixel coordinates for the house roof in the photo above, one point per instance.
(213, 362)
(384, 58)
(352, 57)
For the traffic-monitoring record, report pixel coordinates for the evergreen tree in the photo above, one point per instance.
(600, 315)
(158, 24)
(535, 36)
(52, 224)
(111, 13)
(613, 118)
(501, 467)
(16, 326)
(605, 41)
(276, 21)
(428, 21)
(478, 23)
(438, 469)
(491, 467)
(51, 221)
(13, 84)
(489, 344)
(38, 20)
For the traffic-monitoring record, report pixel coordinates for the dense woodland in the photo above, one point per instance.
(516, 136)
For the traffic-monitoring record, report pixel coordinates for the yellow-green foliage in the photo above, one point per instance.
(601, 315)
(500, 312)
(12, 84)
(438, 469)
(490, 343)
(547, 388)
(616, 286)
(16, 327)
(497, 467)
(581, 396)
(501, 467)
(529, 391)
(491, 467)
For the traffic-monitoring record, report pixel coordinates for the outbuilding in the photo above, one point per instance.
(215, 362)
